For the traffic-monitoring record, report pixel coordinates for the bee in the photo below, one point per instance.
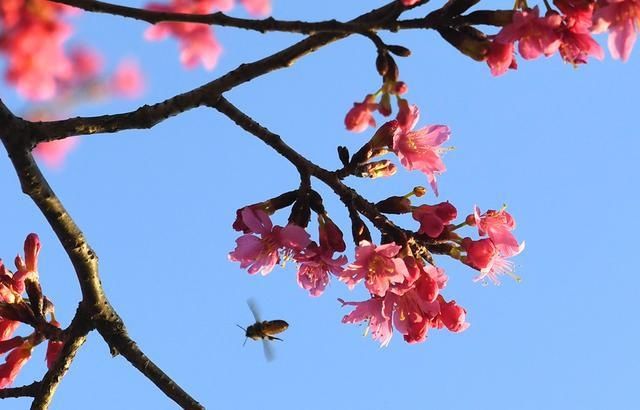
(263, 329)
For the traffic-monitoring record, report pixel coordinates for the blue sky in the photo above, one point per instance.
(558, 145)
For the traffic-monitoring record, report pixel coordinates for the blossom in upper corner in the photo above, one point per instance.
(498, 226)
(622, 19)
(197, 43)
(360, 116)
(379, 266)
(54, 153)
(577, 43)
(14, 362)
(127, 79)
(257, 7)
(261, 253)
(434, 218)
(535, 35)
(421, 149)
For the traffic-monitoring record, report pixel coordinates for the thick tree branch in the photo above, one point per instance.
(96, 310)
(149, 115)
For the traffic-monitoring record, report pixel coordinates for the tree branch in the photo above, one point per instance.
(120, 343)
(149, 115)
(29, 390)
(262, 26)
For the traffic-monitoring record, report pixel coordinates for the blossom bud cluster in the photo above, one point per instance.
(14, 310)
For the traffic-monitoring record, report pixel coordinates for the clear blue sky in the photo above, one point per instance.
(558, 145)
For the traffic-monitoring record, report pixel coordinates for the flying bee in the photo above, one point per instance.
(263, 329)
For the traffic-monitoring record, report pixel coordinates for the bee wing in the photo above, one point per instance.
(268, 350)
(254, 309)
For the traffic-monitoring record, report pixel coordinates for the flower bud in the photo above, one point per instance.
(382, 63)
(343, 155)
(467, 42)
(400, 51)
(394, 205)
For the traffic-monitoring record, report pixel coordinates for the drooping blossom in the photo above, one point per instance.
(377, 312)
(485, 257)
(261, 250)
(622, 19)
(379, 267)
(535, 35)
(434, 218)
(316, 262)
(421, 149)
(54, 153)
(500, 58)
(14, 362)
(498, 226)
(360, 116)
(410, 313)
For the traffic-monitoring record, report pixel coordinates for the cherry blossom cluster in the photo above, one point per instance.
(198, 44)
(568, 31)
(33, 310)
(400, 274)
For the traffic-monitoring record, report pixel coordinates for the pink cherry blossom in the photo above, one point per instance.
(197, 42)
(421, 149)
(621, 18)
(257, 7)
(378, 266)
(452, 316)
(500, 58)
(127, 79)
(498, 226)
(485, 257)
(409, 2)
(54, 348)
(433, 218)
(315, 265)
(14, 362)
(54, 153)
(535, 35)
(261, 253)
(360, 116)
(377, 311)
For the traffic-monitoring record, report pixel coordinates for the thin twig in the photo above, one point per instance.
(30, 390)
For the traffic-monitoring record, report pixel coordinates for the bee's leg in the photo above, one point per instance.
(274, 338)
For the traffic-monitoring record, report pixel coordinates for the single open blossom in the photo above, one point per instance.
(360, 116)
(433, 218)
(577, 43)
(315, 265)
(485, 257)
(14, 362)
(500, 58)
(622, 19)
(378, 314)
(378, 266)
(261, 253)
(421, 149)
(535, 35)
(498, 226)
